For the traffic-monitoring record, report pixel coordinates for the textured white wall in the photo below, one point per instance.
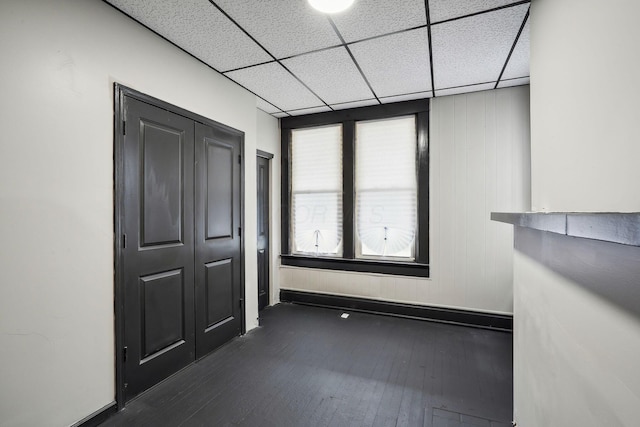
(60, 60)
(585, 114)
(268, 139)
(479, 163)
(575, 355)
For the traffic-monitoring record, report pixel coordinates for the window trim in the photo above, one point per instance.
(348, 262)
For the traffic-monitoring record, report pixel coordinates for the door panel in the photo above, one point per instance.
(162, 312)
(262, 175)
(161, 179)
(219, 198)
(218, 242)
(158, 255)
(219, 289)
(262, 279)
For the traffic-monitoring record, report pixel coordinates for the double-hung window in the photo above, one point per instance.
(355, 189)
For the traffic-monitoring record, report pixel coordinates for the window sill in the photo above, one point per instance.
(395, 268)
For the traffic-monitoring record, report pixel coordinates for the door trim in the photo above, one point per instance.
(264, 154)
(120, 92)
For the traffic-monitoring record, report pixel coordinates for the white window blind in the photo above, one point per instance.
(316, 190)
(386, 188)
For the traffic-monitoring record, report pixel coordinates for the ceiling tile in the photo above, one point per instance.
(465, 89)
(265, 106)
(354, 104)
(368, 18)
(309, 111)
(474, 50)
(273, 83)
(514, 82)
(407, 97)
(440, 10)
(396, 64)
(283, 27)
(197, 27)
(518, 65)
(331, 74)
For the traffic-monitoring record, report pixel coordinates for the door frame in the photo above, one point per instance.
(120, 92)
(268, 156)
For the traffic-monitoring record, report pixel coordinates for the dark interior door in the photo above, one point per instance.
(262, 175)
(158, 245)
(218, 244)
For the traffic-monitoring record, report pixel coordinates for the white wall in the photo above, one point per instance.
(575, 353)
(268, 139)
(60, 60)
(479, 163)
(584, 105)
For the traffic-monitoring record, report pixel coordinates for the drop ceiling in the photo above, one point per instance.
(300, 61)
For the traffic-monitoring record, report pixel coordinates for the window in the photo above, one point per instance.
(316, 190)
(386, 188)
(355, 189)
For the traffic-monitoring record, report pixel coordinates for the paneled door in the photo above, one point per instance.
(179, 193)
(158, 245)
(262, 183)
(218, 257)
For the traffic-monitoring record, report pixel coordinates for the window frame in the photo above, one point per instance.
(349, 262)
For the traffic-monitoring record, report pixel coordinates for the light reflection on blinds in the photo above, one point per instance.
(386, 188)
(316, 190)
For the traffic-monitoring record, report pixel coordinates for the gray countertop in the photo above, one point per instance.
(623, 228)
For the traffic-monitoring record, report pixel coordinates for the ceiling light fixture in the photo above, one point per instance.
(330, 6)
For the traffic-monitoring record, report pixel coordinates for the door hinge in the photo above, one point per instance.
(239, 159)
(124, 241)
(124, 127)
(239, 231)
(124, 353)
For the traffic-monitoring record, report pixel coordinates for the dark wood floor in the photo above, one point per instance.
(306, 366)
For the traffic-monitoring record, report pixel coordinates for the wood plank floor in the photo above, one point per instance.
(306, 366)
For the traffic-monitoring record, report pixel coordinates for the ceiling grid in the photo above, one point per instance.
(428, 16)
(353, 59)
(299, 61)
(263, 48)
(513, 47)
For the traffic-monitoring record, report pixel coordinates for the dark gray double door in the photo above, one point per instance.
(181, 238)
